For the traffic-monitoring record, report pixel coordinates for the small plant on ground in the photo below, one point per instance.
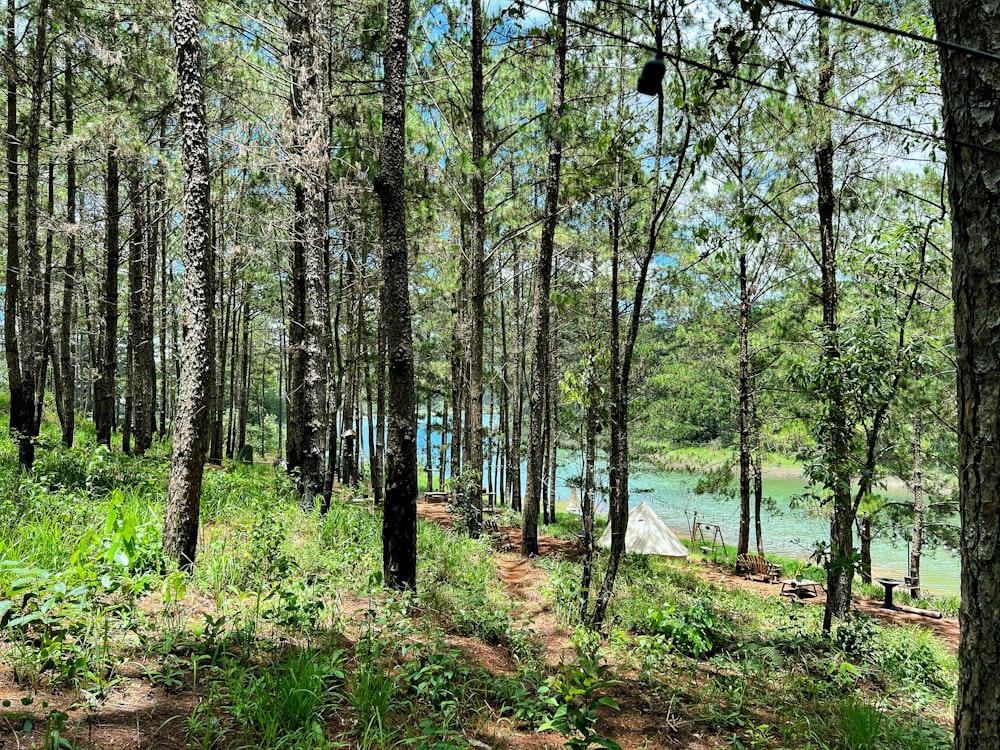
(576, 694)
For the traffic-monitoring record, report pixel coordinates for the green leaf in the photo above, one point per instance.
(25, 619)
(6, 607)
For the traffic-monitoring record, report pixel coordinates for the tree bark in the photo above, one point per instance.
(553, 414)
(67, 380)
(743, 420)
(428, 449)
(12, 289)
(514, 458)
(32, 327)
(399, 518)
(836, 435)
(590, 446)
(540, 301)
(106, 356)
(349, 466)
(140, 321)
(970, 116)
(477, 285)
(243, 385)
(309, 156)
(378, 463)
(187, 462)
(617, 499)
(161, 222)
(917, 534)
(758, 474)
(225, 303)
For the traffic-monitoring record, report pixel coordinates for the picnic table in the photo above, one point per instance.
(801, 587)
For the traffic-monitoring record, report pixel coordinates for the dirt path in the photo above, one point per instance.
(945, 628)
(525, 581)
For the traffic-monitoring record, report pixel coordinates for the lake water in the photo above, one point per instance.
(786, 532)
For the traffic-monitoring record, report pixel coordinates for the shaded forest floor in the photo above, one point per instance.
(285, 638)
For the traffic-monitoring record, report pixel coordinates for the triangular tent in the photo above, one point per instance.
(573, 506)
(647, 535)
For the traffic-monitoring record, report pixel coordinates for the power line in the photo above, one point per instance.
(754, 83)
(891, 30)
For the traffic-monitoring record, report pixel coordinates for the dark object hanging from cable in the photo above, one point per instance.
(651, 77)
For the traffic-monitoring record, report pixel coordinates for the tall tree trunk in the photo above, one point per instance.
(296, 336)
(12, 289)
(445, 437)
(758, 474)
(617, 496)
(226, 303)
(546, 441)
(378, 464)
(743, 419)
(622, 357)
(282, 360)
(840, 567)
(504, 448)
(514, 458)
(32, 327)
(333, 390)
(970, 93)
(337, 420)
(88, 316)
(399, 518)
(50, 210)
(161, 228)
(917, 534)
(477, 285)
(231, 321)
(553, 416)
(349, 468)
(865, 537)
(590, 445)
(106, 357)
(540, 301)
(310, 143)
(140, 320)
(457, 388)
(428, 449)
(67, 379)
(243, 385)
(187, 461)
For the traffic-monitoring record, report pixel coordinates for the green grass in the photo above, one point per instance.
(284, 636)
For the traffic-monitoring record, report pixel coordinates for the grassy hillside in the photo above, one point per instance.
(284, 636)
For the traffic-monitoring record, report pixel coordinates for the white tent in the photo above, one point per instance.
(573, 506)
(647, 535)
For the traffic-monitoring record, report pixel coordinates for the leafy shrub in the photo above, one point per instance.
(914, 658)
(576, 695)
(858, 638)
(695, 630)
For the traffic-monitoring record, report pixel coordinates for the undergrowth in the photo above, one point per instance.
(285, 638)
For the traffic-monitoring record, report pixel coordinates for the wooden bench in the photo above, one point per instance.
(499, 537)
(757, 568)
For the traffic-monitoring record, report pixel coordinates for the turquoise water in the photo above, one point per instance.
(786, 532)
